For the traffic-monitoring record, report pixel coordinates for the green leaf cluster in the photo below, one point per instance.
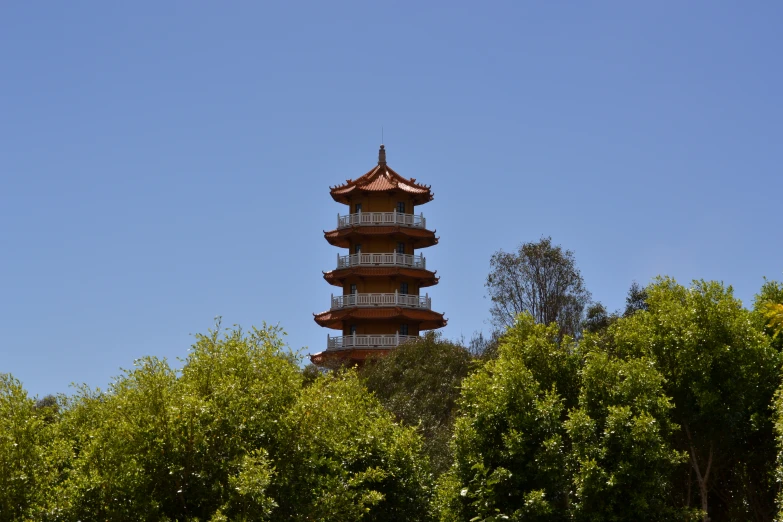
(662, 414)
(420, 383)
(721, 373)
(25, 435)
(668, 412)
(621, 459)
(234, 436)
(768, 312)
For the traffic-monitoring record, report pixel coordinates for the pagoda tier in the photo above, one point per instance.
(417, 237)
(381, 180)
(340, 277)
(350, 355)
(335, 319)
(381, 274)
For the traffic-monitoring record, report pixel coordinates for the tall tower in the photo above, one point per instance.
(381, 302)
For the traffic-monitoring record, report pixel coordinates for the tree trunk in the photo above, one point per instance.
(701, 479)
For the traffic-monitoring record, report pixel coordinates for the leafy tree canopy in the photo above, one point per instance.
(420, 382)
(720, 372)
(768, 311)
(541, 279)
(233, 436)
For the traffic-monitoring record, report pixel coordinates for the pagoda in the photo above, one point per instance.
(381, 278)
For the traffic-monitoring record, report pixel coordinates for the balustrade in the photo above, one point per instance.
(390, 259)
(367, 341)
(369, 300)
(380, 219)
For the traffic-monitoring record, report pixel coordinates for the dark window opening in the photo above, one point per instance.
(403, 329)
(403, 288)
(400, 207)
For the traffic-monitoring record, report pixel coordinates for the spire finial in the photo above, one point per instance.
(382, 156)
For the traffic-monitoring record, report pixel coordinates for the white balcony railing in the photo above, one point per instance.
(392, 259)
(370, 300)
(381, 218)
(366, 341)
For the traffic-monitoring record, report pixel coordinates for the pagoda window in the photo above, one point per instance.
(357, 208)
(403, 288)
(357, 248)
(403, 329)
(400, 247)
(353, 329)
(400, 207)
(353, 289)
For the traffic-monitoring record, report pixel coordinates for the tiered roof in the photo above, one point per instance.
(421, 276)
(335, 318)
(351, 355)
(422, 238)
(381, 178)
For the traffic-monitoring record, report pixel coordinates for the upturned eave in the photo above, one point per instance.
(426, 319)
(424, 278)
(381, 179)
(420, 237)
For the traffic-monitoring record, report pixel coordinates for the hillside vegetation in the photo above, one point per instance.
(671, 410)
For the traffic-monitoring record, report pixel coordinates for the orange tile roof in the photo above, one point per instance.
(334, 318)
(382, 178)
(424, 277)
(348, 355)
(339, 237)
(376, 230)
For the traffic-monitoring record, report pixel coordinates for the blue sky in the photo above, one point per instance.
(163, 163)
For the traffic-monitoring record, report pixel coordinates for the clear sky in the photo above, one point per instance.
(163, 163)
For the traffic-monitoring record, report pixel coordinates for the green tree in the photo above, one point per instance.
(234, 436)
(778, 408)
(419, 382)
(554, 360)
(162, 446)
(597, 318)
(310, 373)
(344, 458)
(620, 434)
(635, 300)
(768, 312)
(541, 279)
(24, 469)
(510, 459)
(721, 374)
(774, 315)
(123, 444)
(248, 498)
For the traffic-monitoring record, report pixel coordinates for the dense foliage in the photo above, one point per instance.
(558, 430)
(670, 410)
(721, 374)
(663, 414)
(768, 312)
(420, 383)
(233, 436)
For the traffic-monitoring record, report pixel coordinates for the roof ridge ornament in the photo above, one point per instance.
(382, 156)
